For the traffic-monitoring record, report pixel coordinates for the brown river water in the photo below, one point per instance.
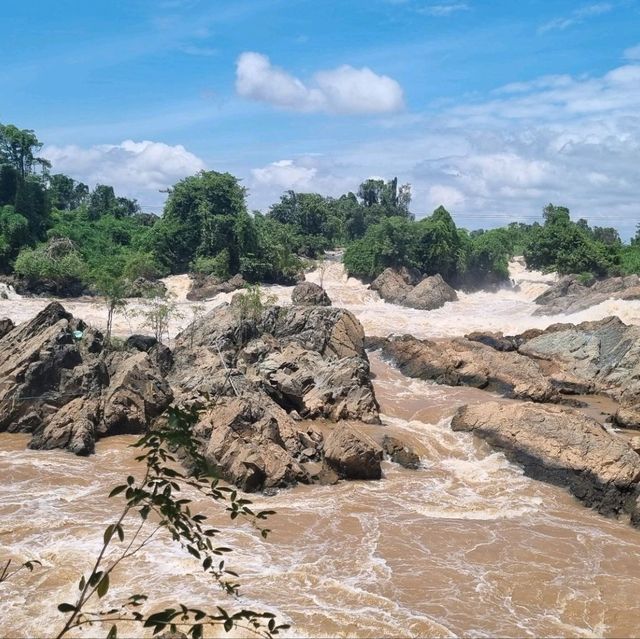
(464, 546)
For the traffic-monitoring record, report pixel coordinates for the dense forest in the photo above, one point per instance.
(59, 236)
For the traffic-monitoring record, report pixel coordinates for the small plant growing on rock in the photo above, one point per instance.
(249, 306)
(158, 314)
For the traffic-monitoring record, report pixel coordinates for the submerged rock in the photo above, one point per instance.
(561, 446)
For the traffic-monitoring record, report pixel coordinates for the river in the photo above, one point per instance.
(466, 545)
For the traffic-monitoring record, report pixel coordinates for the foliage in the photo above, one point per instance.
(156, 503)
(218, 265)
(57, 261)
(157, 316)
(18, 148)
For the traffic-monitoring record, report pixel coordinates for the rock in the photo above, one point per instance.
(400, 453)
(570, 295)
(291, 363)
(6, 325)
(143, 287)
(141, 342)
(563, 447)
(206, 287)
(461, 362)
(431, 293)
(136, 395)
(246, 443)
(635, 443)
(310, 294)
(497, 341)
(66, 392)
(408, 288)
(393, 285)
(598, 357)
(352, 454)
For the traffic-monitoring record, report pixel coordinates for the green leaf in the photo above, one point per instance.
(108, 533)
(82, 583)
(103, 586)
(113, 633)
(120, 532)
(228, 625)
(66, 607)
(117, 490)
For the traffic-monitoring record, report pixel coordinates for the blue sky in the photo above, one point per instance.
(492, 108)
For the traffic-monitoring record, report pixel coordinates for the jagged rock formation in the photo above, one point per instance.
(407, 287)
(66, 391)
(310, 294)
(283, 365)
(462, 362)
(561, 446)
(569, 295)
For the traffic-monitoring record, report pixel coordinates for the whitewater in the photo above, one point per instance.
(464, 546)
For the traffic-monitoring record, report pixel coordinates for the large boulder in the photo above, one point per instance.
(561, 446)
(393, 285)
(310, 294)
(352, 454)
(462, 362)
(408, 288)
(270, 371)
(431, 293)
(246, 440)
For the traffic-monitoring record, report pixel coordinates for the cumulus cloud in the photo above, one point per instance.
(568, 140)
(344, 90)
(135, 169)
(285, 174)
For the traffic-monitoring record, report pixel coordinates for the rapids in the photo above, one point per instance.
(466, 545)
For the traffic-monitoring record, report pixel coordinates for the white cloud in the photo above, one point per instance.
(344, 90)
(632, 53)
(134, 169)
(568, 140)
(285, 174)
(577, 16)
(443, 10)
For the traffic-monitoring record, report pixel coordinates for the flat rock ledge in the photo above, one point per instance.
(563, 447)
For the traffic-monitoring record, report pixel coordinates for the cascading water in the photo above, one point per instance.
(466, 545)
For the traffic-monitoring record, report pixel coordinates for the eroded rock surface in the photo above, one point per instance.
(561, 446)
(63, 389)
(569, 295)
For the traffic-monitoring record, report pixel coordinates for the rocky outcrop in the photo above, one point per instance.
(570, 295)
(461, 362)
(6, 325)
(56, 383)
(563, 447)
(310, 294)
(593, 357)
(407, 288)
(143, 287)
(270, 371)
(352, 454)
(204, 287)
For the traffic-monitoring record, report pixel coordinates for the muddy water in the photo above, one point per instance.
(466, 545)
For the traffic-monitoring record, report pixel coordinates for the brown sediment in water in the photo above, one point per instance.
(466, 545)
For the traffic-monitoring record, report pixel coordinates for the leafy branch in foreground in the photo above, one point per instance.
(6, 573)
(156, 501)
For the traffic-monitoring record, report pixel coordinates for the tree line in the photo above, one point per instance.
(58, 235)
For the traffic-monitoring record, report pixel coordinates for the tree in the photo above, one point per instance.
(65, 193)
(114, 291)
(18, 148)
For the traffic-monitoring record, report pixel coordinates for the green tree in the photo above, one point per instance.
(18, 148)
